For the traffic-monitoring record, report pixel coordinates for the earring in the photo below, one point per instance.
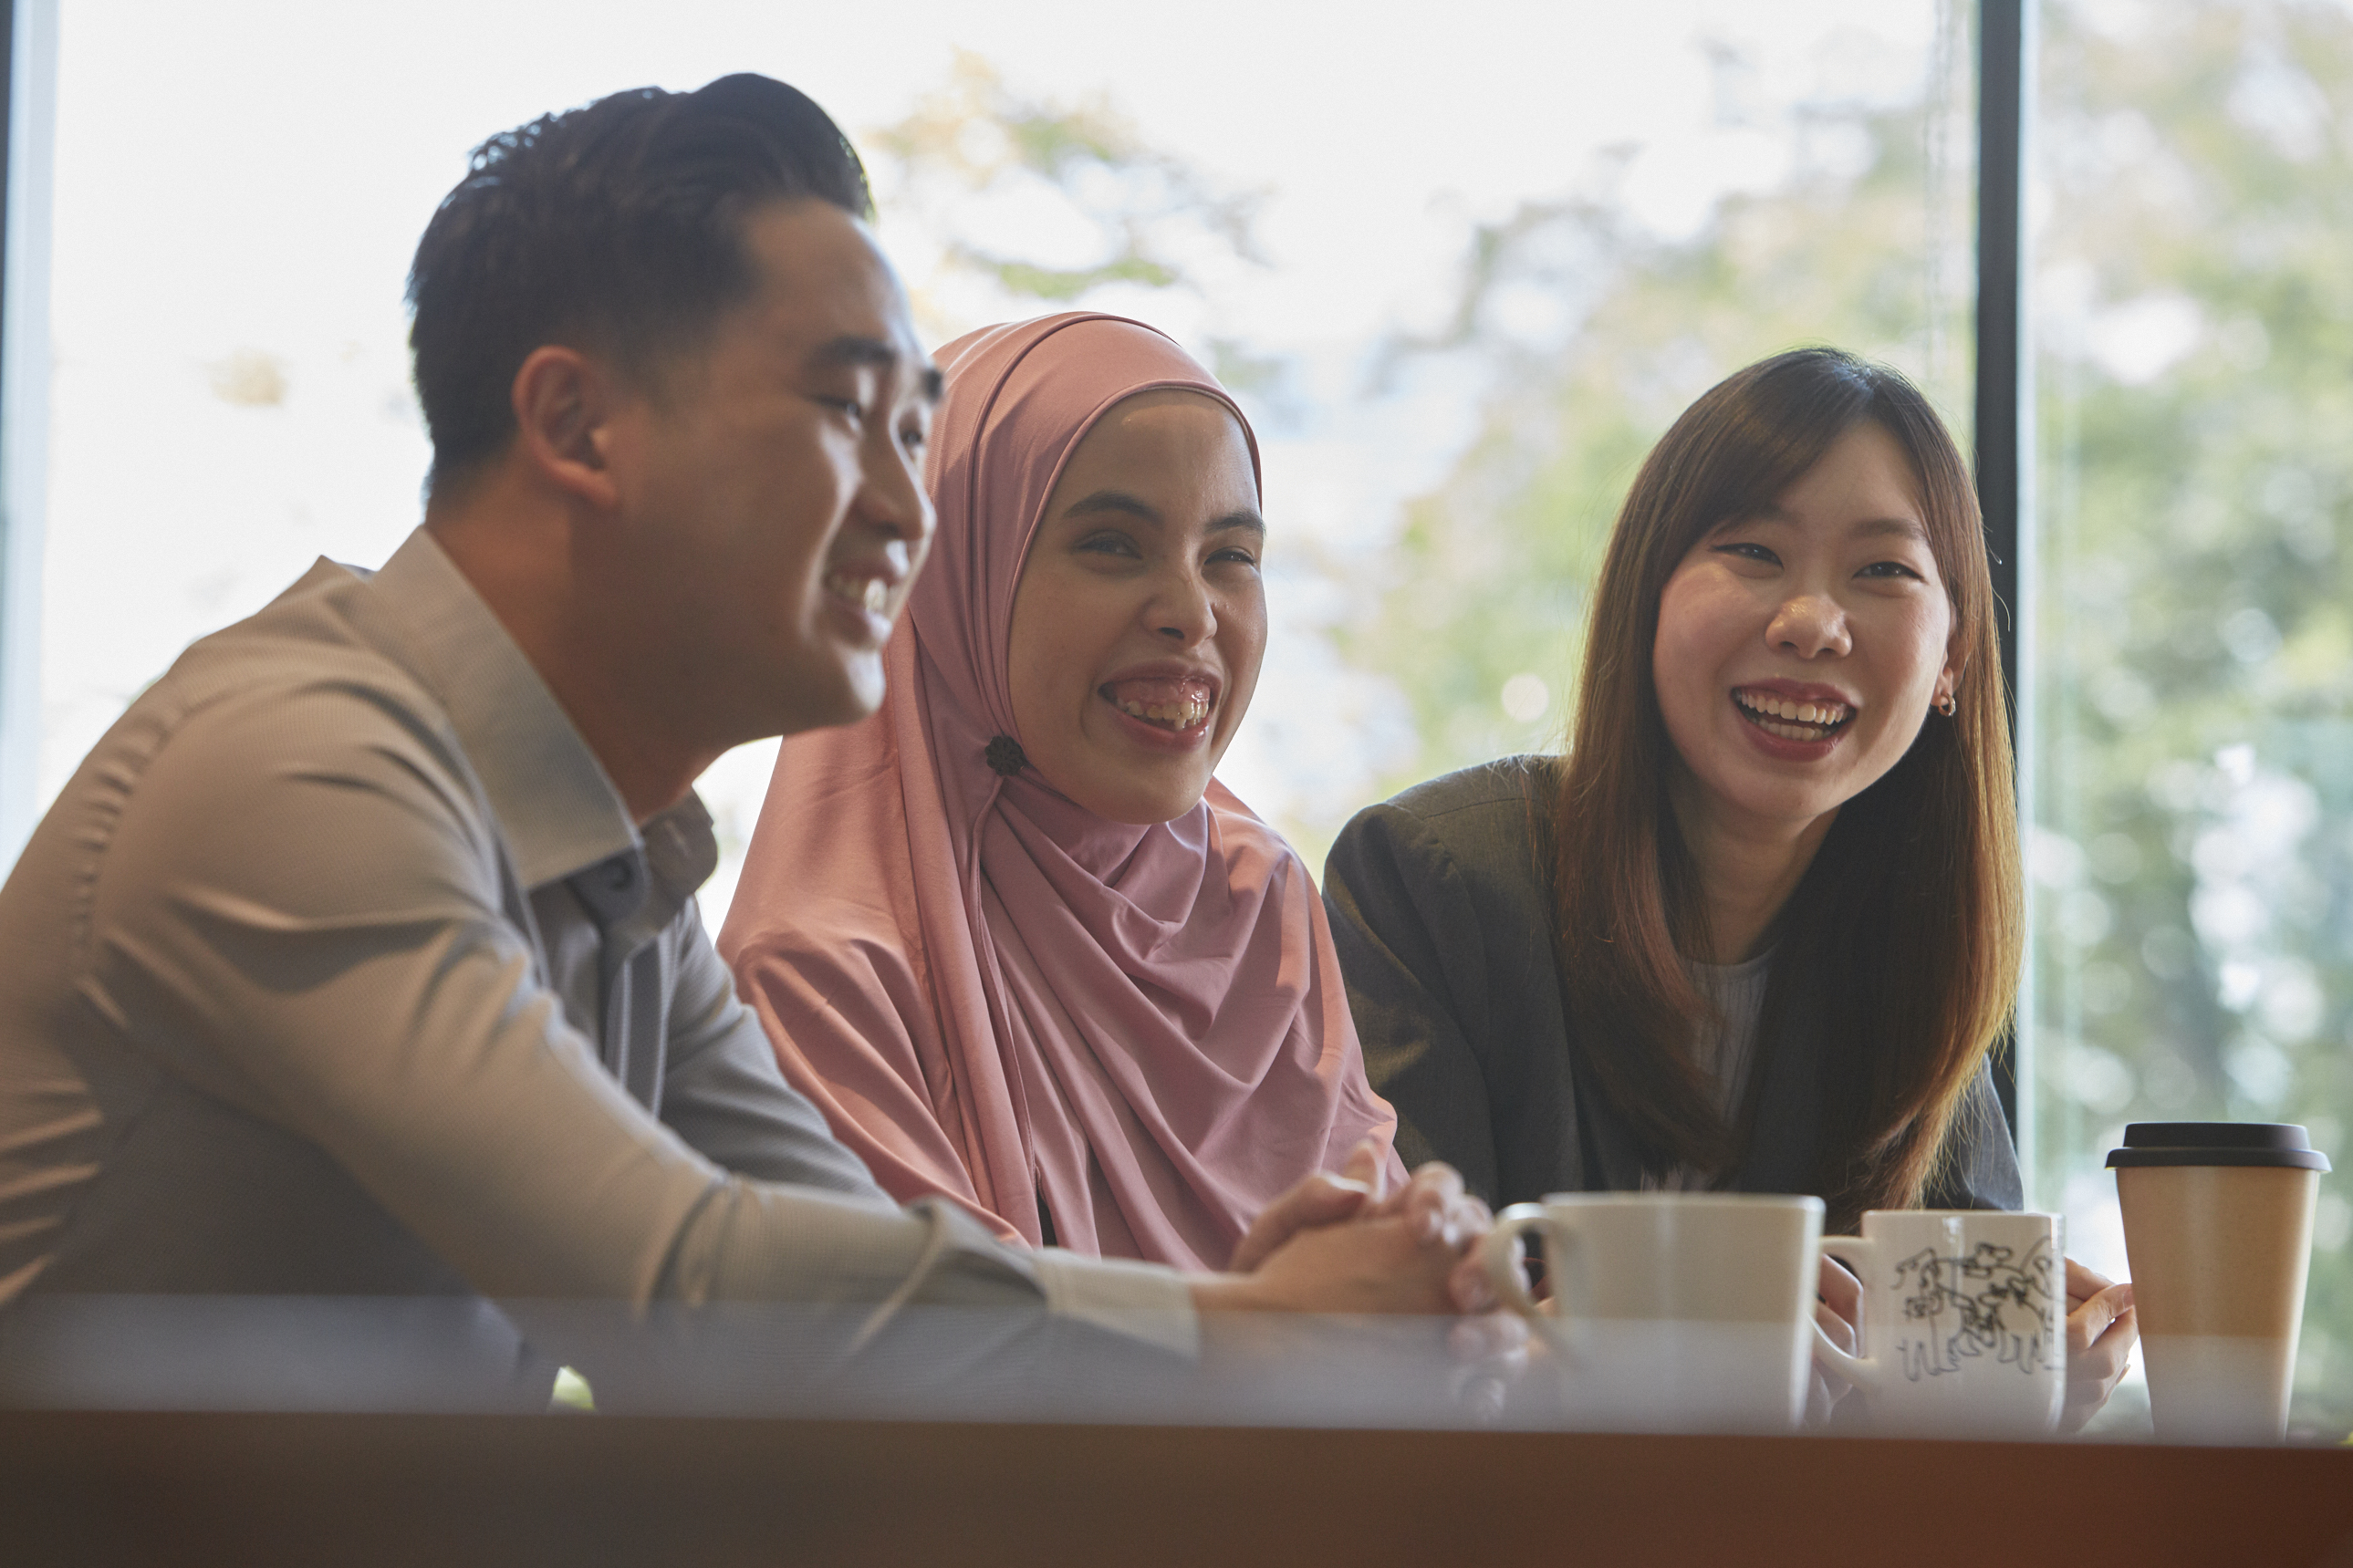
(1947, 705)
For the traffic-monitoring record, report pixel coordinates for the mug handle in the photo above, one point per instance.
(1863, 1371)
(1499, 1254)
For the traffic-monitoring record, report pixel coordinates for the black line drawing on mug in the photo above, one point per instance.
(1981, 1305)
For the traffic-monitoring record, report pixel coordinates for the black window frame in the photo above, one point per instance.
(2004, 446)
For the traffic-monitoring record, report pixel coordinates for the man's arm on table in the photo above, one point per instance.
(726, 1097)
(301, 913)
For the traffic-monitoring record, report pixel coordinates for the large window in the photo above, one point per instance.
(1462, 268)
(2192, 800)
(1462, 264)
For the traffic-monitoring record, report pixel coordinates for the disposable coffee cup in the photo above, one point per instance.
(2218, 1227)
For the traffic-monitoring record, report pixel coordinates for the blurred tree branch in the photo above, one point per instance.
(1043, 204)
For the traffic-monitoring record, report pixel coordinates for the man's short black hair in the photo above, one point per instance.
(616, 228)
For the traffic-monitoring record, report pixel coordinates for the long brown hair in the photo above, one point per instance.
(1904, 936)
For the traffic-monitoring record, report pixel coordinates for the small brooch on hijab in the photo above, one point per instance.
(1004, 756)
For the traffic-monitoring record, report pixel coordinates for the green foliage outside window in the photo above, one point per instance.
(2195, 676)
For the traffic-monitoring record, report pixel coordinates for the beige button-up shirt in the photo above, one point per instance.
(340, 970)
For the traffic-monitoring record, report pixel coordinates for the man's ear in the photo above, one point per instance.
(564, 400)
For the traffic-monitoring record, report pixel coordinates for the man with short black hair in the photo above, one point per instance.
(361, 959)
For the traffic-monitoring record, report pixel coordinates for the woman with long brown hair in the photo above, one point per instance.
(1761, 925)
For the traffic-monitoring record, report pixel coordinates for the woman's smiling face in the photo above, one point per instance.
(1799, 649)
(1140, 617)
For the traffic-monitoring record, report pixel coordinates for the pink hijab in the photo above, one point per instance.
(994, 996)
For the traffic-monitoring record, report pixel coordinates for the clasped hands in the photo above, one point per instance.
(1345, 1245)
(1341, 1244)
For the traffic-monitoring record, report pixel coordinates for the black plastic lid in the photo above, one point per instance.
(2275, 1144)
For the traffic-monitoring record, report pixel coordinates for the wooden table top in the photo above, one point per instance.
(253, 1489)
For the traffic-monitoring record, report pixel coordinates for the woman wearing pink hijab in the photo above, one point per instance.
(1009, 934)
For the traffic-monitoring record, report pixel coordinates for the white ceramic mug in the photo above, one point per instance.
(1669, 1312)
(1963, 1323)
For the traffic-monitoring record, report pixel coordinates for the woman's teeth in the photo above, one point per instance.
(1792, 720)
(868, 594)
(1182, 715)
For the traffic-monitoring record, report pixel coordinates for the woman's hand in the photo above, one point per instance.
(1368, 1264)
(1342, 1243)
(2101, 1329)
(1838, 1304)
(1322, 1198)
(1492, 1352)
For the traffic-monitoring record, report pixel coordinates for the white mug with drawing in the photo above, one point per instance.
(1963, 1323)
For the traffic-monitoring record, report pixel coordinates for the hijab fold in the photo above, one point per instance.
(992, 994)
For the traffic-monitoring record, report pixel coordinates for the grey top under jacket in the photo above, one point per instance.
(339, 969)
(1724, 1046)
(1443, 912)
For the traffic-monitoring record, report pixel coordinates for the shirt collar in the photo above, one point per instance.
(557, 811)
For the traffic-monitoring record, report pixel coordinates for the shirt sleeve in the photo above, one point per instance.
(1389, 889)
(1139, 1301)
(723, 1091)
(301, 913)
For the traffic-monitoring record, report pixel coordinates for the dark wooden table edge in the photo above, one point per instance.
(80, 1487)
